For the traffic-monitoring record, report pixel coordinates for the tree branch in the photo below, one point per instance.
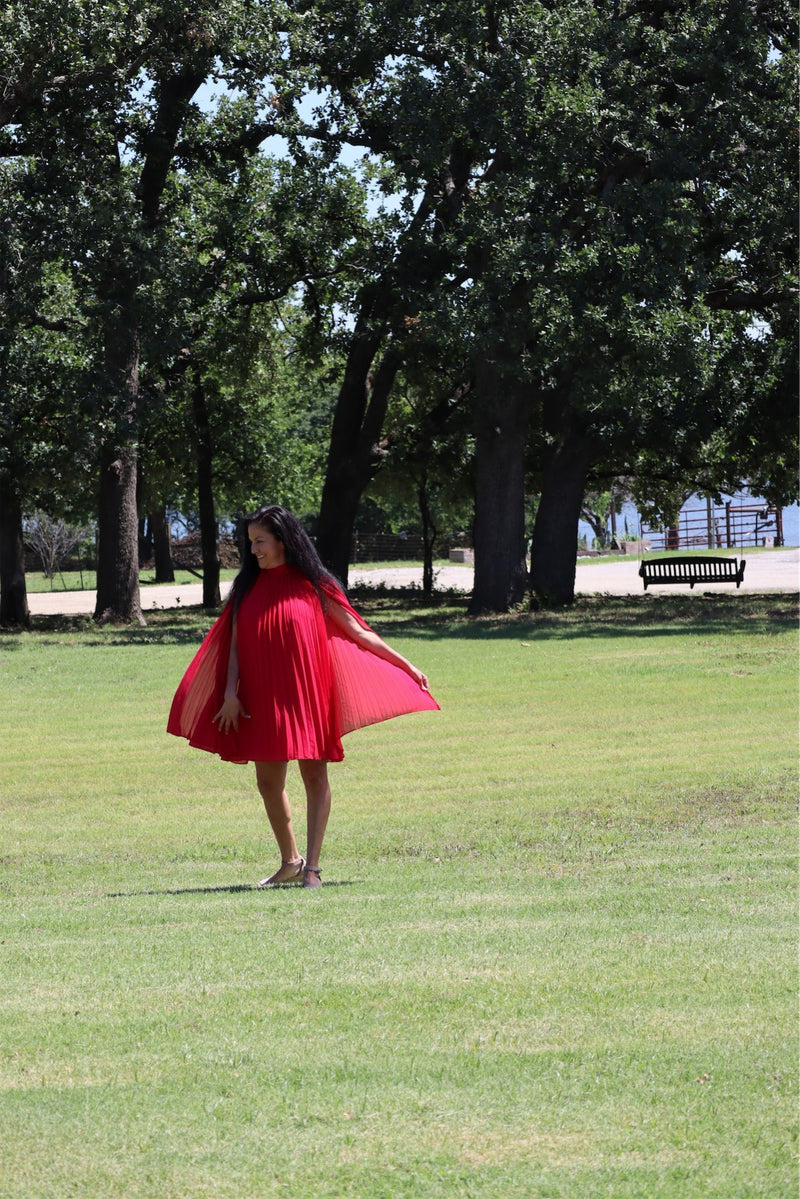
(734, 295)
(174, 95)
(64, 324)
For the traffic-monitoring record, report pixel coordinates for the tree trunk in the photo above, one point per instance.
(355, 453)
(209, 533)
(145, 531)
(598, 525)
(118, 600)
(554, 551)
(13, 593)
(341, 495)
(162, 547)
(500, 426)
(428, 536)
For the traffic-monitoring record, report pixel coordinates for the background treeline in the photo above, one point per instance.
(454, 264)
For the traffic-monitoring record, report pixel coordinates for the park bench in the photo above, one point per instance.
(691, 570)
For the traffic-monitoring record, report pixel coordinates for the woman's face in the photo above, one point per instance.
(266, 547)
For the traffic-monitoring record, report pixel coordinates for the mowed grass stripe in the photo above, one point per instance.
(555, 955)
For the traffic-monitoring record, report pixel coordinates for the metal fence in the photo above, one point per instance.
(728, 527)
(386, 547)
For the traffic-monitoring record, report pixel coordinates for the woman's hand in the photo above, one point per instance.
(231, 712)
(419, 677)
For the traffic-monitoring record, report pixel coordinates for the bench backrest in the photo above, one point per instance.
(690, 568)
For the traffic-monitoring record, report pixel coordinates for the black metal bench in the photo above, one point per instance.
(691, 570)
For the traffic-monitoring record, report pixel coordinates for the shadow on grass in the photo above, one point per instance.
(232, 889)
(164, 627)
(446, 617)
(596, 616)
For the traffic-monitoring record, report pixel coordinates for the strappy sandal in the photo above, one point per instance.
(312, 871)
(289, 872)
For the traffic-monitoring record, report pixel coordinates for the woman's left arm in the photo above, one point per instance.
(371, 641)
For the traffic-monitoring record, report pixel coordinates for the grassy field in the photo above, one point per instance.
(86, 580)
(554, 956)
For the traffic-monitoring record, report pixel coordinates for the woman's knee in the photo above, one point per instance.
(315, 779)
(271, 777)
(313, 772)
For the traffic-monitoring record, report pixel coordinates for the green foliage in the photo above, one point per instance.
(46, 352)
(598, 507)
(168, 231)
(570, 189)
(425, 483)
(592, 196)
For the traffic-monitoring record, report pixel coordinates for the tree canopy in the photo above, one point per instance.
(573, 217)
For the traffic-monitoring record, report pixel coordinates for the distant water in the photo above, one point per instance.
(629, 514)
(791, 525)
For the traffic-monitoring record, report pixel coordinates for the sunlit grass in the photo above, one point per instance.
(554, 956)
(86, 580)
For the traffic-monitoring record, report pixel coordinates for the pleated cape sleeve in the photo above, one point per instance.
(368, 688)
(202, 688)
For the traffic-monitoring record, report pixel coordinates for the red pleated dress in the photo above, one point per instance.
(302, 681)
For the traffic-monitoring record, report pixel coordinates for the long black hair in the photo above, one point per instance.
(299, 549)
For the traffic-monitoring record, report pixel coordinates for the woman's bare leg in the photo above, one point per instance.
(271, 780)
(318, 799)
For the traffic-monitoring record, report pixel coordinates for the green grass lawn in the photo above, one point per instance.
(86, 580)
(554, 956)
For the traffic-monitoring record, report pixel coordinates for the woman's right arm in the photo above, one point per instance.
(232, 708)
(375, 644)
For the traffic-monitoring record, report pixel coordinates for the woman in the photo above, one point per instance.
(285, 671)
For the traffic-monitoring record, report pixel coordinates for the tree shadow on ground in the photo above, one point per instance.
(171, 626)
(446, 617)
(595, 616)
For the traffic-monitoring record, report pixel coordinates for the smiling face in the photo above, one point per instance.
(266, 547)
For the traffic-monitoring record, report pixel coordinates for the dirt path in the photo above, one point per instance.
(778, 570)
